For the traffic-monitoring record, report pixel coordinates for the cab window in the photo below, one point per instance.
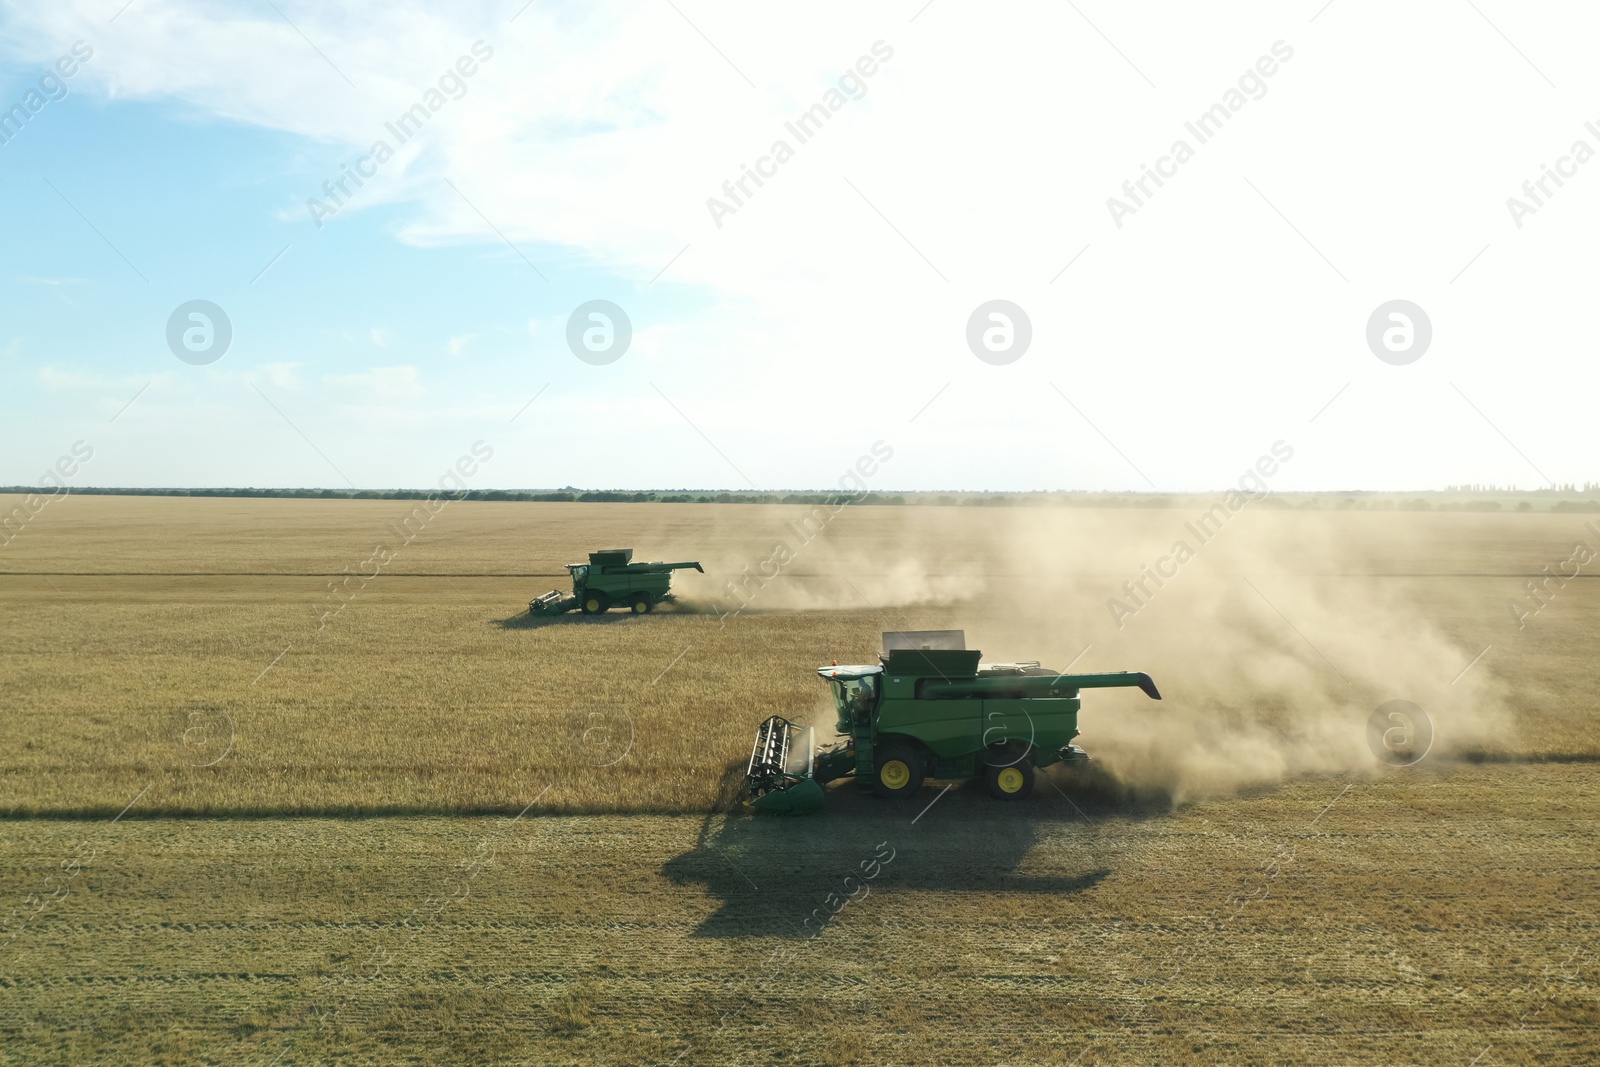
(855, 695)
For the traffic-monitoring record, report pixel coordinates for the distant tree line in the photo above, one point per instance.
(560, 496)
(1460, 498)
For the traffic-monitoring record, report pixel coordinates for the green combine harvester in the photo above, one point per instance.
(611, 579)
(929, 709)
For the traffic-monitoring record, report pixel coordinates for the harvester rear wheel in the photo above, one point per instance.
(1009, 777)
(897, 770)
(641, 603)
(595, 603)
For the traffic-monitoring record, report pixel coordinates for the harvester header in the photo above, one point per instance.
(930, 708)
(611, 579)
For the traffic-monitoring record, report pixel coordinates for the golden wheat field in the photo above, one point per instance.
(251, 819)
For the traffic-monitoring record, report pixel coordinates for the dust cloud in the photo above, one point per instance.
(1273, 635)
(1272, 643)
(820, 558)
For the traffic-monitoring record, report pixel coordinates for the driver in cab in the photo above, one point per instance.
(863, 700)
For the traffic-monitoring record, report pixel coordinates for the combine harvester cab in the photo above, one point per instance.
(611, 579)
(930, 708)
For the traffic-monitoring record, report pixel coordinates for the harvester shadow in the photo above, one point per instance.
(772, 873)
(526, 621)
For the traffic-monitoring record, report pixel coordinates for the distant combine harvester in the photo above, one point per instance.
(611, 579)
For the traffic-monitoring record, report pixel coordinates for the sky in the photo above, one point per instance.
(1334, 262)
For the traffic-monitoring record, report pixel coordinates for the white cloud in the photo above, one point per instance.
(380, 383)
(457, 346)
(282, 375)
(57, 379)
(379, 338)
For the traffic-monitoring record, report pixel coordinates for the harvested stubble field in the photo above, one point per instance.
(424, 829)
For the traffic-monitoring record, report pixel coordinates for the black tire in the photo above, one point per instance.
(596, 603)
(1008, 771)
(641, 604)
(903, 764)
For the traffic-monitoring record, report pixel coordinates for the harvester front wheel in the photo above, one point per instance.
(641, 603)
(595, 603)
(897, 770)
(1010, 777)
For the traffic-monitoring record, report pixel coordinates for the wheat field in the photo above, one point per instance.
(402, 822)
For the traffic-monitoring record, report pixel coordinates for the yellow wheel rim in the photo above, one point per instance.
(593, 605)
(894, 774)
(1010, 780)
(640, 607)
